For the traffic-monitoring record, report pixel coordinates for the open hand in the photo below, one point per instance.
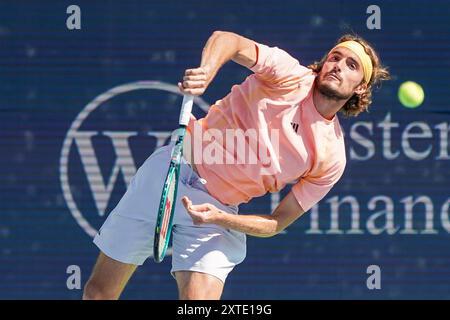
(202, 213)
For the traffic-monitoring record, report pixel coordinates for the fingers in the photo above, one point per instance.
(196, 216)
(191, 91)
(195, 71)
(195, 81)
(201, 213)
(186, 202)
(190, 84)
(204, 207)
(200, 207)
(201, 77)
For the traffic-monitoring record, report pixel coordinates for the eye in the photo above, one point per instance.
(352, 66)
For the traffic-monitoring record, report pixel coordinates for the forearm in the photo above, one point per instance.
(254, 225)
(287, 211)
(220, 48)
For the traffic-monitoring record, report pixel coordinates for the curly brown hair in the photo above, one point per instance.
(359, 103)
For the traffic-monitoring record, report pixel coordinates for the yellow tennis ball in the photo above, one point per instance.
(411, 94)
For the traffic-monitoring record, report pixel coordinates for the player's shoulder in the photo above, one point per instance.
(276, 53)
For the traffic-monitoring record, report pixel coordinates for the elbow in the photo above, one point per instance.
(222, 35)
(266, 235)
(276, 231)
(215, 35)
(230, 36)
(217, 32)
(269, 234)
(276, 228)
(273, 229)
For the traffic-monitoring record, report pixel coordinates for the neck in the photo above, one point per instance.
(326, 106)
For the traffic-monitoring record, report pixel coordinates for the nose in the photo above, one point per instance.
(337, 67)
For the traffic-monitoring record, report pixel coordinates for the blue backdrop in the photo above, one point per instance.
(80, 110)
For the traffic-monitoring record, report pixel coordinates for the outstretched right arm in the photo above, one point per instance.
(220, 48)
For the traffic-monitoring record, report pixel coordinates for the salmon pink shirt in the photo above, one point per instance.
(306, 149)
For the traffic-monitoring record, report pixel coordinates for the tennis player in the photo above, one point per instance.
(293, 109)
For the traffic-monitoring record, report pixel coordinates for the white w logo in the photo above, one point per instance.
(124, 162)
(102, 186)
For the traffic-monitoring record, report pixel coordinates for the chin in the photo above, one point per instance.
(329, 89)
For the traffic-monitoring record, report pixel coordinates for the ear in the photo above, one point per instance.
(361, 88)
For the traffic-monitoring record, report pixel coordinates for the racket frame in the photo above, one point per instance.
(172, 173)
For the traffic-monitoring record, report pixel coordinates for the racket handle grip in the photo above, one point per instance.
(186, 109)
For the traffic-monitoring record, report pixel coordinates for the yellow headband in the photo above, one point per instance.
(358, 49)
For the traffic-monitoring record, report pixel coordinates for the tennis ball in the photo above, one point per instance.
(411, 94)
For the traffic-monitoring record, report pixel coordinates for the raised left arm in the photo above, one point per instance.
(256, 225)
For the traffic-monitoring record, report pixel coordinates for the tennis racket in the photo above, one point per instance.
(166, 209)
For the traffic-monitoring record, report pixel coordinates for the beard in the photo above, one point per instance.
(328, 91)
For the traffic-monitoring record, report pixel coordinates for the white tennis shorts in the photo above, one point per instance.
(128, 232)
